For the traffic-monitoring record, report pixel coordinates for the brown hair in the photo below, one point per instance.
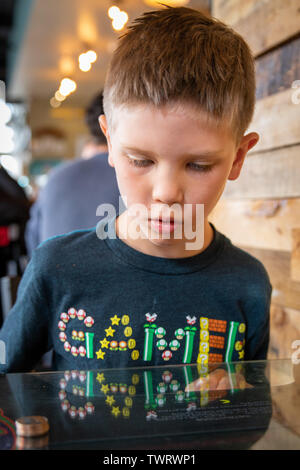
(183, 55)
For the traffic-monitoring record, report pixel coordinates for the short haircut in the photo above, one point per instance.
(92, 113)
(178, 54)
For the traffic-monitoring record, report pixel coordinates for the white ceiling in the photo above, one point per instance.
(58, 28)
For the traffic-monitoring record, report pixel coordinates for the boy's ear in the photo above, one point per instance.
(104, 128)
(247, 143)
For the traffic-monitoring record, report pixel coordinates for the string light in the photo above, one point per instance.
(86, 59)
(67, 86)
(119, 18)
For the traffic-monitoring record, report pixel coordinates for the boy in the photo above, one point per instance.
(178, 99)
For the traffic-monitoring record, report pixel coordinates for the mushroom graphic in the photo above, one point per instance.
(81, 314)
(162, 387)
(174, 385)
(61, 325)
(82, 351)
(62, 394)
(89, 321)
(179, 396)
(160, 399)
(161, 344)
(160, 332)
(65, 405)
(89, 407)
(179, 334)
(67, 346)
(74, 351)
(82, 376)
(73, 411)
(64, 317)
(81, 412)
(167, 376)
(166, 355)
(62, 383)
(174, 344)
(62, 336)
(72, 312)
(67, 375)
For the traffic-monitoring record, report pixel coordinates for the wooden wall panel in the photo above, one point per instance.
(276, 119)
(286, 291)
(264, 24)
(260, 211)
(295, 259)
(278, 69)
(265, 224)
(285, 329)
(271, 174)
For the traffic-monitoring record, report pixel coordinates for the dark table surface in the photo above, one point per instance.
(149, 408)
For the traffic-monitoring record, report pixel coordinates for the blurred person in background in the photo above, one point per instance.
(75, 189)
(14, 213)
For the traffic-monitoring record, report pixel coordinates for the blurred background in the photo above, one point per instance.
(54, 57)
(53, 60)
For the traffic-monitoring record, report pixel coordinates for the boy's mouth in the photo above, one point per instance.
(162, 225)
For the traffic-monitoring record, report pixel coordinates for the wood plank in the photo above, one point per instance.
(264, 24)
(272, 174)
(284, 402)
(295, 258)
(284, 330)
(276, 119)
(286, 292)
(278, 69)
(264, 224)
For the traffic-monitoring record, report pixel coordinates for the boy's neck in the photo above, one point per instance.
(172, 250)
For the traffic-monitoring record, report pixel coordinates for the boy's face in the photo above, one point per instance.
(169, 155)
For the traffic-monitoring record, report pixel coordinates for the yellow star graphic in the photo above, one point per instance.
(115, 411)
(104, 343)
(105, 389)
(109, 331)
(241, 354)
(115, 320)
(100, 377)
(110, 400)
(100, 354)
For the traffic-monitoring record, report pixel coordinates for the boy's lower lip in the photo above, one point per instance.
(162, 226)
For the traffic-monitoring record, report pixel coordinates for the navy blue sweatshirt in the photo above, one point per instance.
(99, 303)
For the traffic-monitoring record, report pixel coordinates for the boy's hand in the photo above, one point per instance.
(218, 380)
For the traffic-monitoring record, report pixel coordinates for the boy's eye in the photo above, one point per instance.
(138, 162)
(197, 167)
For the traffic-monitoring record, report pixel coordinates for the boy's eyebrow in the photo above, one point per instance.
(207, 154)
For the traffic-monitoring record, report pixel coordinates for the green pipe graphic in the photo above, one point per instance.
(89, 345)
(231, 339)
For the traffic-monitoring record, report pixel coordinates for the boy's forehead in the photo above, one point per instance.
(192, 122)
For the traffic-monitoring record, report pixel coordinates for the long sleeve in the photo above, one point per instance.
(24, 334)
(258, 308)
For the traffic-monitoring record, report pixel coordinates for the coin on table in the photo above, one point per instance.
(32, 426)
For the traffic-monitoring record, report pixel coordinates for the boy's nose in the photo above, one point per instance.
(167, 188)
